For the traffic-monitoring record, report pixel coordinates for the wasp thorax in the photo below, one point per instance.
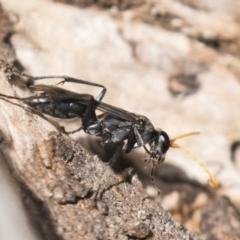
(159, 145)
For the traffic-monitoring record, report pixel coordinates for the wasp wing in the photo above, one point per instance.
(116, 112)
(53, 93)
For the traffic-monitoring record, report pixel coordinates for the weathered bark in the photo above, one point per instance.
(221, 220)
(59, 178)
(182, 46)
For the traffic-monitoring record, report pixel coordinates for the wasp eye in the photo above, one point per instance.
(165, 141)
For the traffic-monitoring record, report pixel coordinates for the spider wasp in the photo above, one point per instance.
(113, 125)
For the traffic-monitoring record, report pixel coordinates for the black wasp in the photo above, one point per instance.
(114, 125)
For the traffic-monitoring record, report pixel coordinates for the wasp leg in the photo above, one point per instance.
(75, 80)
(118, 147)
(67, 79)
(88, 118)
(72, 132)
(131, 140)
(90, 115)
(72, 80)
(135, 137)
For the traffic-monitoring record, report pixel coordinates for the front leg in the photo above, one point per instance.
(135, 140)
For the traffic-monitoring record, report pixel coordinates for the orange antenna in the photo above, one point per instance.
(213, 181)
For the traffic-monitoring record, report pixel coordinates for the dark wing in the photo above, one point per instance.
(116, 112)
(60, 94)
(53, 90)
(53, 93)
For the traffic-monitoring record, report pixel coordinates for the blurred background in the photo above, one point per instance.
(174, 61)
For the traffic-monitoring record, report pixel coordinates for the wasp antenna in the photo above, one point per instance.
(213, 181)
(183, 136)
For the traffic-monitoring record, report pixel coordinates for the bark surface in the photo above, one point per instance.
(59, 180)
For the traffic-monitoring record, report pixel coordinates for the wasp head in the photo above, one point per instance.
(159, 146)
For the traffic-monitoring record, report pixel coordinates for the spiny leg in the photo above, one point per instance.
(75, 80)
(65, 79)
